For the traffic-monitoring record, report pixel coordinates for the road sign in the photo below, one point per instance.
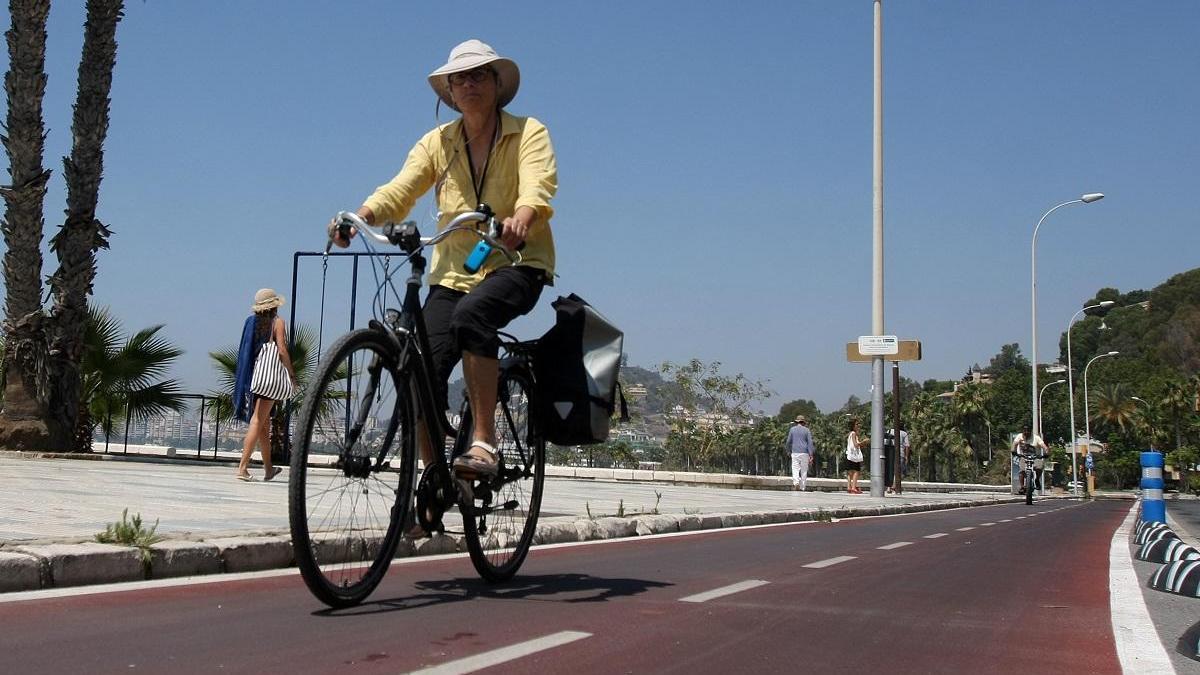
(906, 350)
(878, 345)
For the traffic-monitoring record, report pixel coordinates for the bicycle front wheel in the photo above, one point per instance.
(500, 520)
(352, 471)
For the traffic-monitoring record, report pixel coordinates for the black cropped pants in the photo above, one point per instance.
(460, 322)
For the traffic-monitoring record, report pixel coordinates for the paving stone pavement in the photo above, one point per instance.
(66, 500)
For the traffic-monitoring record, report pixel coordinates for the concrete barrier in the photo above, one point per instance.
(183, 559)
(19, 572)
(249, 554)
(85, 564)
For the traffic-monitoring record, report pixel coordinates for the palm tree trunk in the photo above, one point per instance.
(82, 235)
(26, 386)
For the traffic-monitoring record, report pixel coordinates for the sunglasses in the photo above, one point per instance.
(475, 76)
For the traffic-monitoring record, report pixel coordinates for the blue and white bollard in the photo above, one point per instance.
(1154, 509)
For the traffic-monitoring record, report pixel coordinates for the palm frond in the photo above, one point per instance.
(155, 399)
(225, 361)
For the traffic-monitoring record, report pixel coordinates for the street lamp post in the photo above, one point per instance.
(1042, 488)
(1105, 305)
(1041, 393)
(1033, 394)
(989, 426)
(1087, 418)
(1148, 423)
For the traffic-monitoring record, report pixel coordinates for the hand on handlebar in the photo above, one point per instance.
(342, 229)
(513, 233)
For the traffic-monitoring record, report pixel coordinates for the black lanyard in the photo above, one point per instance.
(478, 187)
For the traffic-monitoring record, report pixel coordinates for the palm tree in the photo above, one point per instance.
(27, 381)
(119, 376)
(1177, 402)
(43, 394)
(970, 407)
(82, 234)
(1112, 405)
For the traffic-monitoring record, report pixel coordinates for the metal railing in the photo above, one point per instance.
(208, 405)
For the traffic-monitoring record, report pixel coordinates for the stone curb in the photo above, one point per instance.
(26, 568)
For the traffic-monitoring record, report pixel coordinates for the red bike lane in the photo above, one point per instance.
(977, 599)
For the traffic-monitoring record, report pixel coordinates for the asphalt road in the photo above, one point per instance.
(982, 590)
(1186, 512)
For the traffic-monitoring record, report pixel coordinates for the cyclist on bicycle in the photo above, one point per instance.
(486, 156)
(1027, 442)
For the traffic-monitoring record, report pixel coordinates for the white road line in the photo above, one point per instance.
(986, 524)
(899, 544)
(1006, 520)
(725, 590)
(1136, 638)
(471, 664)
(830, 562)
(963, 529)
(1020, 518)
(935, 536)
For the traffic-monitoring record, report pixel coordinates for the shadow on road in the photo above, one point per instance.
(1189, 643)
(546, 587)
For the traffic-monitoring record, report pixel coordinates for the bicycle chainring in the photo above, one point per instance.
(435, 494)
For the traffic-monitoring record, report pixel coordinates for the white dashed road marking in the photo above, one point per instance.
(963, 529)
(830, 562)
(986, 524)
(724, 590)
(488, 659)
(1006, 520)
(935, 536)
(899, 544)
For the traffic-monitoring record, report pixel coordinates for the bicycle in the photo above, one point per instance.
(351, 489)
(1029, 459)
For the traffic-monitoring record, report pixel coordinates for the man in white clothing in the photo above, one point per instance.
(800, 444)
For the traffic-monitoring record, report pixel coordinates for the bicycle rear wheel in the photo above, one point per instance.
(500, 520)
(352, 471)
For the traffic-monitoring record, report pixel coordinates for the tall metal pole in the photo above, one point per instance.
(1071, 394)
(1033, 389)
(1042, 393)
(877, 267)
(897, 446)
(1033, 405)
(1087, 418)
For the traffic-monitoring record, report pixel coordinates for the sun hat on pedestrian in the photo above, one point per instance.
(468, 56)
(266, 298)
(800, 418)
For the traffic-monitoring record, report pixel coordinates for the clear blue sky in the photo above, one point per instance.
(714, 164)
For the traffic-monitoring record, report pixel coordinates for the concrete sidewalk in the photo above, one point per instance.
(50, 508)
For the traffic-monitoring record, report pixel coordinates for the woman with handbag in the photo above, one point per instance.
(264, 375)
(854, 457)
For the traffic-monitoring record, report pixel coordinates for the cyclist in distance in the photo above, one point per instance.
(486, 156)
(1027, 441)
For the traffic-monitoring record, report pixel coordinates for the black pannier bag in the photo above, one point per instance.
(576, 365)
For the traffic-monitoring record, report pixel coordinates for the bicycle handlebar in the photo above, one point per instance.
(348, 219)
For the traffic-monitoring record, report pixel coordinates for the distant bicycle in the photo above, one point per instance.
(353, 471)
(1029, 456)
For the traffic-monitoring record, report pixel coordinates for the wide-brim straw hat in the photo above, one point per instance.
(468, 56)
(800, 418)
(265, 299)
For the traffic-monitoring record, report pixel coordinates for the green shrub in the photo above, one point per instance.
(131, 532)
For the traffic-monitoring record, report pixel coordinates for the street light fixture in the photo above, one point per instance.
(1148, 409)
(1105, 305)
(1040, 393)
(1085, 199)
(1087, 418)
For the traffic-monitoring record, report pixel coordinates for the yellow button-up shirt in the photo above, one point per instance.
(521, 171)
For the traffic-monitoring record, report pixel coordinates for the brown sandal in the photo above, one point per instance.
(478, 466)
